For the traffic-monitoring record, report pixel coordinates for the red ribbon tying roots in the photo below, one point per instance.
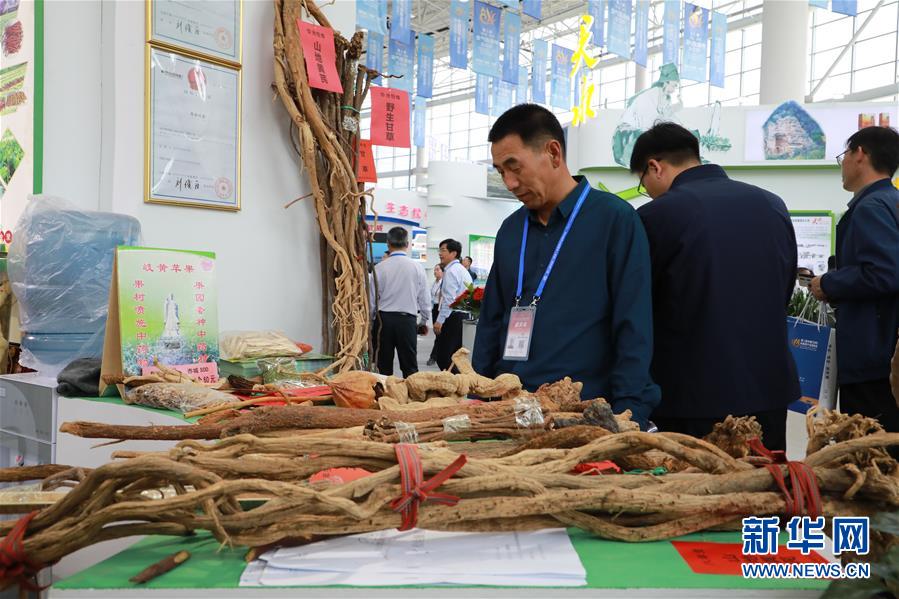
(803, 497)
(414, 490)
(15, 567)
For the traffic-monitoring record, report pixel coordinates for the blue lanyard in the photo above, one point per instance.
(552, 261)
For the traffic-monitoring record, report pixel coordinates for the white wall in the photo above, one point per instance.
(458, 206)
(269, 275)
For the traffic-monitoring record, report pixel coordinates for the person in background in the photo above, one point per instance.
(435, 306)
(864, 286)
(466, 262)
(402, 295)
(448, 326)
(569, 291)
(719, 296)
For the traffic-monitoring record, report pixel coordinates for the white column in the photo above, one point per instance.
(641, 78)
(784, 51)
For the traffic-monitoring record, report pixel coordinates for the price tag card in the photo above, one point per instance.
(518, 337)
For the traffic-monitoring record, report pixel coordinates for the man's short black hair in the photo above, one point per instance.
(881, 144)
(468, 258)
(397, 237)
(532, 123)
(452, 246)
(664, 141)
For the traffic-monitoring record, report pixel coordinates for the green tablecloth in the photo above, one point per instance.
(609, 564)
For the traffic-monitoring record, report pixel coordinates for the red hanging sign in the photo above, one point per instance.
(389, 117)
(320, 56)
(365, 166)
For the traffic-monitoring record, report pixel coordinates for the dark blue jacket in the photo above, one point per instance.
(593, 322)
(723, 270)
(865, 285)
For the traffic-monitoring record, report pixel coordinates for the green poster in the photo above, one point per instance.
(167, 307)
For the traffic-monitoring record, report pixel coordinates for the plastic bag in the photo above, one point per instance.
(280, 371)
(180, 397)
(60, 267)
(250, 345)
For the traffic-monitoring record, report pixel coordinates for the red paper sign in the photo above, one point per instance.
(389, 117)
(206, 372)
(725, 558)
(365, 166)
(320, 56)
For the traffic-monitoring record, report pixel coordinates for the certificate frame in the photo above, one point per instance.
(204, 45)
(152, 111)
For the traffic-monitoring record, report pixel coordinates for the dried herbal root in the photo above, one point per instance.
(528, 490)
(161, 567)
(733, 435)
(324, 129)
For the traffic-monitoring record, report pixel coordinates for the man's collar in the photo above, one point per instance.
(702, 171)
(871, 188)
(567, 205)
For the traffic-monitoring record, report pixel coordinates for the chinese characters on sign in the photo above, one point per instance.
(320, 56)
(166, 308)
(365, 167)
(389, 117)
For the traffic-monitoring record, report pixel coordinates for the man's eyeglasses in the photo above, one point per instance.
(840, 157)
(640, 189)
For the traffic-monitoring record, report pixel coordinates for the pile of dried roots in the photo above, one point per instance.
(530, 489)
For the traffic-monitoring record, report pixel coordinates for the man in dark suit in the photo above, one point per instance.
(723, 269)
(864, 287)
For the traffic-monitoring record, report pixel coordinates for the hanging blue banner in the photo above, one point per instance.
(818, 3)
(511, 46)
(576, 82)
(719, 49)
(482, 94)
(532, 8)
(521, 95)
(374, 54)
(619, 41)
(425, 87)
(502, 97)
(561, 83)
(372, 15)
(597, 10)
(671, 32)
(485, 47)
(401, 20)
(696, 42)
(641, 32)
(845, 7)
(459, 12)
(419, 124)
(538, 72)
(401, 61)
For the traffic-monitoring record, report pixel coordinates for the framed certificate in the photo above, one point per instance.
(192, 130)
(208, 27)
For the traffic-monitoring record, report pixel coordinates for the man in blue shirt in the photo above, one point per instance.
(865, 285)
(570, 270)
(723, 271)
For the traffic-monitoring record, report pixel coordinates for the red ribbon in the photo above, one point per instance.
(14, 564)
(802, 496)
(414, 490)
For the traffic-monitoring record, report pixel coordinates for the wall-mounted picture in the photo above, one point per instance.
(192, 131)
(208, 27)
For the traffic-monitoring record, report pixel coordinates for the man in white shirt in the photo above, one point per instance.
(448, 326)
(402, 297)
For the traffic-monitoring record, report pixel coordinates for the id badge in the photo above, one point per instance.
(518, 337)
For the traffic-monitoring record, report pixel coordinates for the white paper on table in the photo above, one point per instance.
(384, 558)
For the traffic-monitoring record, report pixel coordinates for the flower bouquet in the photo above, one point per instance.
(470, 301)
